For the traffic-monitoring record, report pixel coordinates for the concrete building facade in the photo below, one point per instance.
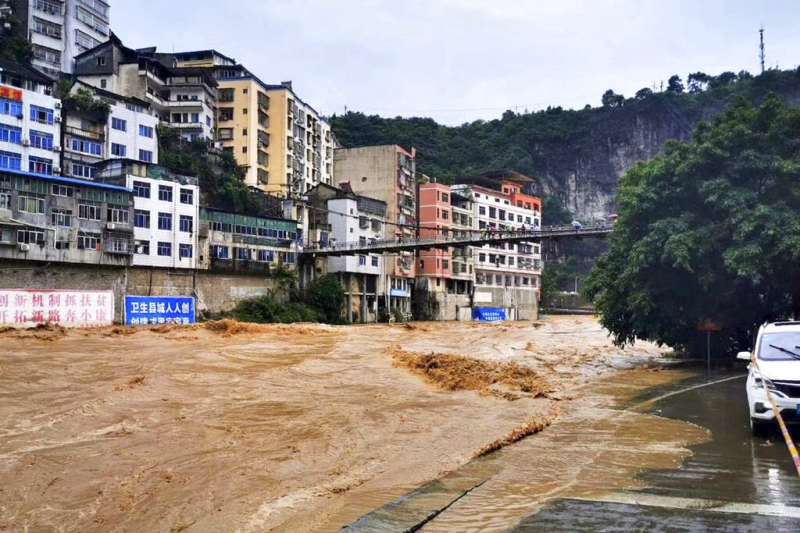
(30, 121)
(183, 98)
(59, 30)
(165, 214)
(64, 220)
(387, 173)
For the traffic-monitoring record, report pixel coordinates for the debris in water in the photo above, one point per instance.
(456, 372)
(533, 426)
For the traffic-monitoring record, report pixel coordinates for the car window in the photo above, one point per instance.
(788, 341)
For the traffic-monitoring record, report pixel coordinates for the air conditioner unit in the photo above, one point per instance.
(56, 170)
(139, 249)
(24, 247)
(58, 119)
(58, 105)
(56, 148)
(26, 142)
(111, 226)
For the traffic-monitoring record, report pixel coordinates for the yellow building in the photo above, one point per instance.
(284, 143)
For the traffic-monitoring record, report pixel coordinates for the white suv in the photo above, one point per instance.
(777, 352)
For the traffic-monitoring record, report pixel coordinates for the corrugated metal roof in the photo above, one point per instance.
(67, 181)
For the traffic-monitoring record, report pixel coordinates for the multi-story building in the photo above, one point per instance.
(435, 219)
(58, 30)
(338, 215)
(508, 274)
(387, 173)
(184, 98)
(125, 129)
(165, 212)
(30, 121)
(58, 219)
(462, 226)
(242, 243)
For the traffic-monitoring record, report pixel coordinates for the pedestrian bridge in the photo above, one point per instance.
(477, 238)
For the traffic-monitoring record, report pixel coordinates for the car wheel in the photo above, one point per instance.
(759, 428)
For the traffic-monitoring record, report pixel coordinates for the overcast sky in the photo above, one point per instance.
(461, 60)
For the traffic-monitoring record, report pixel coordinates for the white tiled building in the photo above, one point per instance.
(129, 132)
(350, 224)
(165, 212)
(30, 121)
(61, 29)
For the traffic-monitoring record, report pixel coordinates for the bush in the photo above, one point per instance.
(326, 296)
(322, 301)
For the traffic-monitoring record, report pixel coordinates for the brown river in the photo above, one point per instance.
(306, 427)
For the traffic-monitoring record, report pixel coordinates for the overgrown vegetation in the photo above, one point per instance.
(709, 231)
(322, 301)
(82, 101)
(221, 178)
(555, 143)
(13, 44)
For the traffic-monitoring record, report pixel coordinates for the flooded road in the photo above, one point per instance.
(685, 462)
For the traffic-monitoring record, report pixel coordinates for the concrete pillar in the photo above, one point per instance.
(349, 293)
(364, 299)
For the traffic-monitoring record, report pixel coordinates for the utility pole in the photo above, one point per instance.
(761, 54)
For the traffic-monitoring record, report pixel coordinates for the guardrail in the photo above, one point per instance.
(478, 238)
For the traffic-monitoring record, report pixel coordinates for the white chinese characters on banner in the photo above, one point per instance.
(30, 307)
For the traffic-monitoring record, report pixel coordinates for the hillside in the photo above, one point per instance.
(576, 155)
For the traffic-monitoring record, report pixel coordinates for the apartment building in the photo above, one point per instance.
(387, 173)
(184, 98)
(232, 242)
(435, 219)
(30, 121)
(165, 212)
(126, 129)
(506, 275)
(338, 215)
(59, 30)
(64, 220)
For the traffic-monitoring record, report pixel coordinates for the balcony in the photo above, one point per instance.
(240, 266)
(95, 135)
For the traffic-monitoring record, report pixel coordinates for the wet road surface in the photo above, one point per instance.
(731, 481)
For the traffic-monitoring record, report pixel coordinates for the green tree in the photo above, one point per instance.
(707, 231)
(643, 93)
(612, 99)
(674, 84)
(13, 44)
(326, 295)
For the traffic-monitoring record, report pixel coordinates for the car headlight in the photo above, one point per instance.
(760, 381)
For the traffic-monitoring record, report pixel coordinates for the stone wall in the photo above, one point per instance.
(215, 293)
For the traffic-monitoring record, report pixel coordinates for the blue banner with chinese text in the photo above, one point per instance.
(488, 314)
(141, 310)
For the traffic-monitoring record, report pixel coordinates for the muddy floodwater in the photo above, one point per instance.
(306, 427)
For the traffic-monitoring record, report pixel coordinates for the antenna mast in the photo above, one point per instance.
(761, 48)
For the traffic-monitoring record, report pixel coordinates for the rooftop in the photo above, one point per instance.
(24, 71)
(67, 181)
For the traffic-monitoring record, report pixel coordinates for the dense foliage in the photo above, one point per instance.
(13, 44)
(555, 144)
(323, 300)
(708, 231)
(221, 178)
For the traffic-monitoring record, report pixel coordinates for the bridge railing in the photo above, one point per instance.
(487, 235)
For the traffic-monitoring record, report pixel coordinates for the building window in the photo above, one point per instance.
(117, 215)
(165, 221)
(119, 124)
(374, 260)
(146, 156)
(88, 241)
(87, 147)
(195, 118)
(141, 218)
(146, 131)
(185, 223)
(103, 83)
(10, 161)
(225, 113)
(83, 171)
(142, 247)
(362, 260)
(502, 214)
(5, 200)
(61, 217)
(30, 204)
(165, 193)
(29, 236)
(118, 150)
(187, 196)
(243, 254)
(41, 115)
(89, 211)
(185, 250)
(220, 252)
(10, 107)
(41, 140)
(39, 165)
(10, 134)
(164, 249)
(63, 190)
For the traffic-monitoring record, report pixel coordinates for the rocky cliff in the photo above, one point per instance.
(575, 155)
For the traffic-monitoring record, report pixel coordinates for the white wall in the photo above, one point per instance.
(174, 236)
(130, 137)
(346, 229)
(26, 124)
